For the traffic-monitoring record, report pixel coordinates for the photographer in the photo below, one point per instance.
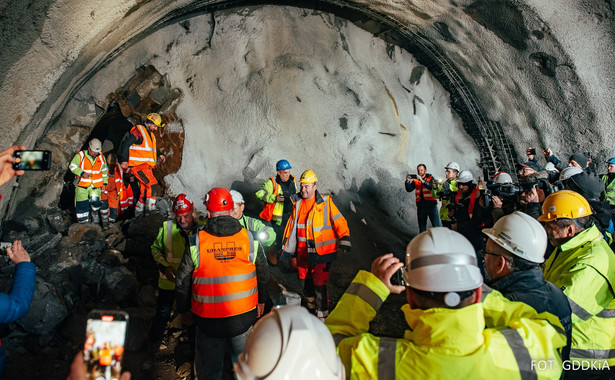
(16, 304)
(501, 195)
(447, 191)
(469, 212)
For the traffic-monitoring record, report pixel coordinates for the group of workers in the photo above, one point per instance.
(516, 284)
(105, 187)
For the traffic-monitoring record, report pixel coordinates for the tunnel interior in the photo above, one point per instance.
(352, 90)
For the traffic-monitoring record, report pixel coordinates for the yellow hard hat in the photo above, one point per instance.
(564, 204)
(156, 119)
(308, 176)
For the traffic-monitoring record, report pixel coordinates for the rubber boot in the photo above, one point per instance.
(95, 218)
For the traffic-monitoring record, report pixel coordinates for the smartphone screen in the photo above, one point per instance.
(32, 160)
(104, 344)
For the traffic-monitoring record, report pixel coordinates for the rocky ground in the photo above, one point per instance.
(81, 267)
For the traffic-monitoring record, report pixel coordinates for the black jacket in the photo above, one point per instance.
(227, 327)
(530, 287)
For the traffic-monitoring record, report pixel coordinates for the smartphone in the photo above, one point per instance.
(413, 176)
(105, 336)
(4, 245)
(32, 160)
(532, 151)
(398, 277)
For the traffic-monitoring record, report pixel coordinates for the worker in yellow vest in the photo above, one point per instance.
(458, 329)
(91, 177)
(139, 153)
(276, 193)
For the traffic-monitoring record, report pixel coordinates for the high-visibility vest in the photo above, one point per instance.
(146, 151)
(609, 191)
(224, 283)
(495, 338)
(473, 196)
(583, 268)
(168, 249)
(273, 210)
(423, 192)
(94, 170)
(324, 226)
(126, 198)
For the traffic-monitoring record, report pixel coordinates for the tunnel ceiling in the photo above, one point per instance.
(519, 72)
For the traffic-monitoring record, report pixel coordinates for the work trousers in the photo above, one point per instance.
(211, 352)
(148, 183)
(430, 212)
(86, 198)
(164, 306)
(315, 279)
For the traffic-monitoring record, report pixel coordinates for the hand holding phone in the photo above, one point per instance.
(6, 164)
(104, 344)
(32, 160)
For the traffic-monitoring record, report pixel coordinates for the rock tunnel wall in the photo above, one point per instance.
(540, 70)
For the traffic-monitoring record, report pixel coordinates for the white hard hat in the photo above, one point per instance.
(465, 177)
(503, 177)
(569, 172)
(521, 235)
(452, 165)
(441, 260)
(95, 145)
(289, 342)
(237, 197)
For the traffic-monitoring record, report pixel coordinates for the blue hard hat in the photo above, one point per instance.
(283, 165)
(611, 160)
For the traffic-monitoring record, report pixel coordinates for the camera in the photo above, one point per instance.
(398, 277)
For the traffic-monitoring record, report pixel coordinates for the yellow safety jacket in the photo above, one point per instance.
(325, 228)
(584, 268)
(272, 211)
(168, 250)
(495, 338)
(609, 191)
(447, 193)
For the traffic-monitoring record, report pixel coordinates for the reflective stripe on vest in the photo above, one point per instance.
(94, 170)
(144, 152)
(366, 294)
(319, 233)
(170, 258)
(224, 283)
(423, 192)
(386, 358)
(521, 353)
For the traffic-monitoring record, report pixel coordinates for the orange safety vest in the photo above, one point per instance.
(267, 213)
(126, 198)
(472, 200)
(146, 151)
(95, 171)
(323, 227)
(224, 283)
(423, 192)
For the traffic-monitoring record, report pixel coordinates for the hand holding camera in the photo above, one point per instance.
(385, 267)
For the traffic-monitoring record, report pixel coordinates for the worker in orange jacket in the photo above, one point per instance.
(113, 192)
(139, 153)
(315, 231)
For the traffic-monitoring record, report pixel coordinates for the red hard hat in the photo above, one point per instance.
(219, 199)
(182, 205)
